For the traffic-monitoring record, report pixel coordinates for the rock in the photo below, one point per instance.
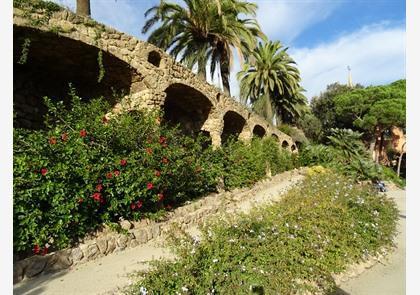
(111, 245)
(58, 261)
(155, 230)
(141, 235)
(102, 245)
(76, 254)
(92, 251)
(122, 241)
(149, 233)
(36, 265)
(18, 273)
(134, 243)
(125, 224)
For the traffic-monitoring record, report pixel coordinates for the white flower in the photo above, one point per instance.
(185, 289)
(287, 225)
(232, 241)
(215, 260)
(143, 290)
(261, 271)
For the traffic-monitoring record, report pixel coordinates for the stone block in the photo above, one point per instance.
(141, 235)
(92, 251)
(102, 245)
(112, 244)
(122, 241)
(35, 266)
(76, 254)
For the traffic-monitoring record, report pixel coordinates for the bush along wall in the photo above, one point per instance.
(84, 170)
(292, 247)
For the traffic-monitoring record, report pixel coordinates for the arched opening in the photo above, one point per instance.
(298, 144)
(187, 107)
(154, 58)
(258, 131)
(275, 137)
(233, 124)
(284, 144)
(52, 62)
(293, 147)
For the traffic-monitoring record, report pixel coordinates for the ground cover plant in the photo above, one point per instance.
(85, 169)
(290, 247)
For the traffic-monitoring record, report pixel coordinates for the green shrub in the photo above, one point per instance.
(295, 245)
(84, 170)
(346, 154)
(246, 163)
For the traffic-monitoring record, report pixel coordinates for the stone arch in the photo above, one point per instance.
(285, 144)
(53, 61)
(273, 135)
(187, 107)
(293, 147)
(233, 125)
(258, 131)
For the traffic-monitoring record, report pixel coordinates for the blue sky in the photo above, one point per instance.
(323, 36)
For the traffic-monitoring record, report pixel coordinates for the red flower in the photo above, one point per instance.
(52, 140)
(97, 196)
(162, 139)
(116, 172)
(44, 171)
(83, 133)
(99, 187)
(165, 160)
(149, 185)
(149, 151)
(64, 136)
(160, 197)
(36, 249)
(123, 162)
(157, 173)
(45, 251)
(132, 206)
(109, 175)
(80, 200)
(139, 203)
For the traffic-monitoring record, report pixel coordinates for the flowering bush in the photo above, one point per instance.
(84, 169)
(292, 247)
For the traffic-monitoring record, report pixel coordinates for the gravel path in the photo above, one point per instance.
(387, 278)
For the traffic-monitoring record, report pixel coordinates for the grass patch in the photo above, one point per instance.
(291, 247)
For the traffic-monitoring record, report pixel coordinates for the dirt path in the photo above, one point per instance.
(106, 274)
(387, 278)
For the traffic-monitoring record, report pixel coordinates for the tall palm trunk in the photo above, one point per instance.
(224, 68)
(83, 7)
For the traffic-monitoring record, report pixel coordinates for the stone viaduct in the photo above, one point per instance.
(64, 47)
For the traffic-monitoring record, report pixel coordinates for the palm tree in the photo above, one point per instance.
(204, 31)
(270, 82)
(83, 7)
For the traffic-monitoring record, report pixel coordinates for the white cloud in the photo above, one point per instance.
(286, 20)
(375, 53)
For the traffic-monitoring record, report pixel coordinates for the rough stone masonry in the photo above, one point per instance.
(65, 47)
